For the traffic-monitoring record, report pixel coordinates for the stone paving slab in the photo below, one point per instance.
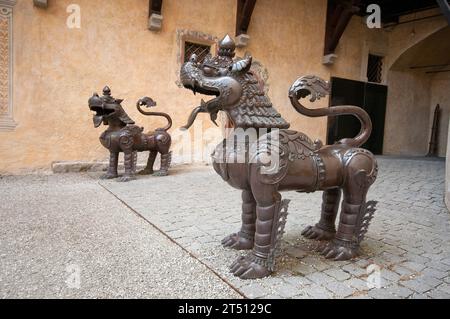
(64, 236)
(404, 255)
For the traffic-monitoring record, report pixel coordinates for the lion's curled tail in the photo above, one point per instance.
(318, 88)
(150, 103)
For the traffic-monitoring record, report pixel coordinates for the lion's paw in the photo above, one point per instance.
(315, 232)
(160, 173)
(146, 171)
(235, 241)
(126, 178)
(339, 250)
(250, 267)
(109, 176)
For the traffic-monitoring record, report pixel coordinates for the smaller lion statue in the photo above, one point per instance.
(124, 136)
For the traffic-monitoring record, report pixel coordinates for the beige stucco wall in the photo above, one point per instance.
(56, 69)
(440, 94)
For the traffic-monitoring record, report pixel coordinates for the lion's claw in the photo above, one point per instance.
(339, 251)
(126, 178)
(315, 232)
(160, 173)
(146, 172)
(247, 268)
(109, 176)
(237, 242)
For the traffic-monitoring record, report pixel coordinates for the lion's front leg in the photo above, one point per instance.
(271, 215)
(245, 237)
(129, 162)
(112, 168)
(325, 229)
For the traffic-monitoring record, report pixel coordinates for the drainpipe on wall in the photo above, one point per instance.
(447, 173)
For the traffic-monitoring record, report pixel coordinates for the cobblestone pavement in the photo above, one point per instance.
(406, 253)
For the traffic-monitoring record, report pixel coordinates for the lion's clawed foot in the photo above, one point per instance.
(126, 178)
(146, 171)
(161, 173)
(315, 232)
(109, 176)
(238, 242)
(250, 267)
(339, 250)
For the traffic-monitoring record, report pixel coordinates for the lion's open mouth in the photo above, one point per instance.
(196, 88)
(100, 113)
(205, 90)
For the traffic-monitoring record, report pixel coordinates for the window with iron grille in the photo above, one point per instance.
(374, 68)
(201, 50)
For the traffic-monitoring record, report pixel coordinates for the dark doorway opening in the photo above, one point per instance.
(371, 97)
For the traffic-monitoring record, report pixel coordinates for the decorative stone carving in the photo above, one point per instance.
(329, 59)
(7, 122)
(242, 40)
(155, 22)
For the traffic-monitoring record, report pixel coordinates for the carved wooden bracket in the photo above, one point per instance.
(7, 122)
(155, 17)
(243, 17)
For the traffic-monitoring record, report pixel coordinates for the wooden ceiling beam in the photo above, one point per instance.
(155, 7)
(339, 14)
(445, 9)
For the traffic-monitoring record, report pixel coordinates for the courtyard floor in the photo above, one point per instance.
(73, 235)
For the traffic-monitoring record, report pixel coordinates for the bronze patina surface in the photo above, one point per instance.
(124, 136)
(280, 160)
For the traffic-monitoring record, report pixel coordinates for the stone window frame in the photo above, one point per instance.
(7, 122)
(202, 38)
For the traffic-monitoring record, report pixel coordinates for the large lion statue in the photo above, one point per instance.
(281, 160)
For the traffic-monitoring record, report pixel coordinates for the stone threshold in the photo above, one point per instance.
(80, 166)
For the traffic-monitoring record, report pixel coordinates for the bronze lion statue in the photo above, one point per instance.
(279, 159)
(124, 136)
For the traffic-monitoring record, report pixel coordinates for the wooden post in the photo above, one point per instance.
(433, 147)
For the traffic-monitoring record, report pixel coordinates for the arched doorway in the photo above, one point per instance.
(419, 80)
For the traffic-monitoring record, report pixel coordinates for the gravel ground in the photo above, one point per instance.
(64, 236)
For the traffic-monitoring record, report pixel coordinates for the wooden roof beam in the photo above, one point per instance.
(445, 8)
(339, 14)
(243, 18)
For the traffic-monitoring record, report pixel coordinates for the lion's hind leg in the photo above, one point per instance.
(360, 173)
(325, 229)
(148, 170)
(166, 159)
